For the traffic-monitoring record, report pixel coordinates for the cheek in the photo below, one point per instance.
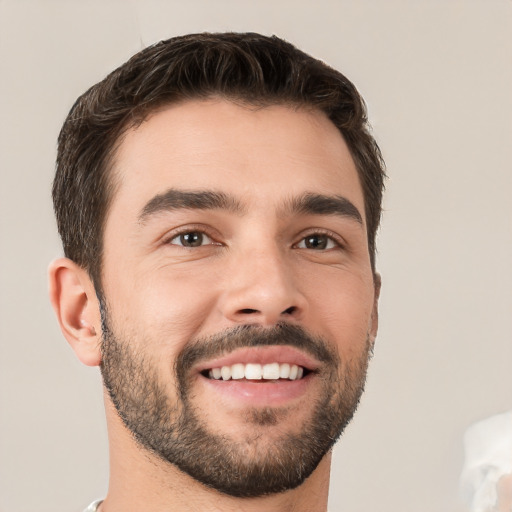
(167, 306)
(343, 309)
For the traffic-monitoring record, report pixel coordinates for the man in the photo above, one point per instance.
(218, 198)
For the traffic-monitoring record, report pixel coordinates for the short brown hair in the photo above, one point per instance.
(252, 68)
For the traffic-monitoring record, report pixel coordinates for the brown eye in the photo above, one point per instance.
(191, 239)
(318, 242)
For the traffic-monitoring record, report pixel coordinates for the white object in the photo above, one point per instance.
(488, 451)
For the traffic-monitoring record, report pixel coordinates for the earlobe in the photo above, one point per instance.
(74, 301)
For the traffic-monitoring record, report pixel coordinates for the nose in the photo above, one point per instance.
(262, 289)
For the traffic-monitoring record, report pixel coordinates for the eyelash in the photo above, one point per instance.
(190, 230)
(332, 238)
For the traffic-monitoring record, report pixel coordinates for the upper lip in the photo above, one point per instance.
(262, 355)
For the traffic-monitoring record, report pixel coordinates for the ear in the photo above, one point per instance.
(74, 301)
(374, 322)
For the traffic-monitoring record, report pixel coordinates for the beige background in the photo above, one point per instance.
(437, 76)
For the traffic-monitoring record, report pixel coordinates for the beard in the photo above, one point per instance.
(174, 430)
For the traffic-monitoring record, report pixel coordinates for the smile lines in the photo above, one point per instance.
(251, 371)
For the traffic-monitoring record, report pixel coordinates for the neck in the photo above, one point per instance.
(141, 481)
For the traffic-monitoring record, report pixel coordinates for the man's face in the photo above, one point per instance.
(236, 244)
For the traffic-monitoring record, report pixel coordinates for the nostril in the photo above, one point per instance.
(289, 311)
(248, 311)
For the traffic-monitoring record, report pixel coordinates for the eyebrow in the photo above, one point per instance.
(174, 199)
(308, 203)
(320, 204)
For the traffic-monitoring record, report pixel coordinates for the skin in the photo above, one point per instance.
(253, 268)
(504, 491)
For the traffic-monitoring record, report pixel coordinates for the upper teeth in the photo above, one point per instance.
(251, 371)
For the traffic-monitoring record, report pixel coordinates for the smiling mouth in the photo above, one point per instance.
(257, 372)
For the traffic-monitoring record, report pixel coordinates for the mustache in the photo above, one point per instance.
(246, 336)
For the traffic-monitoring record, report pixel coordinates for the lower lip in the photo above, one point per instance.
(260, 393)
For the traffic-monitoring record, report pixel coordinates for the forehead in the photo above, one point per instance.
(255, 154)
